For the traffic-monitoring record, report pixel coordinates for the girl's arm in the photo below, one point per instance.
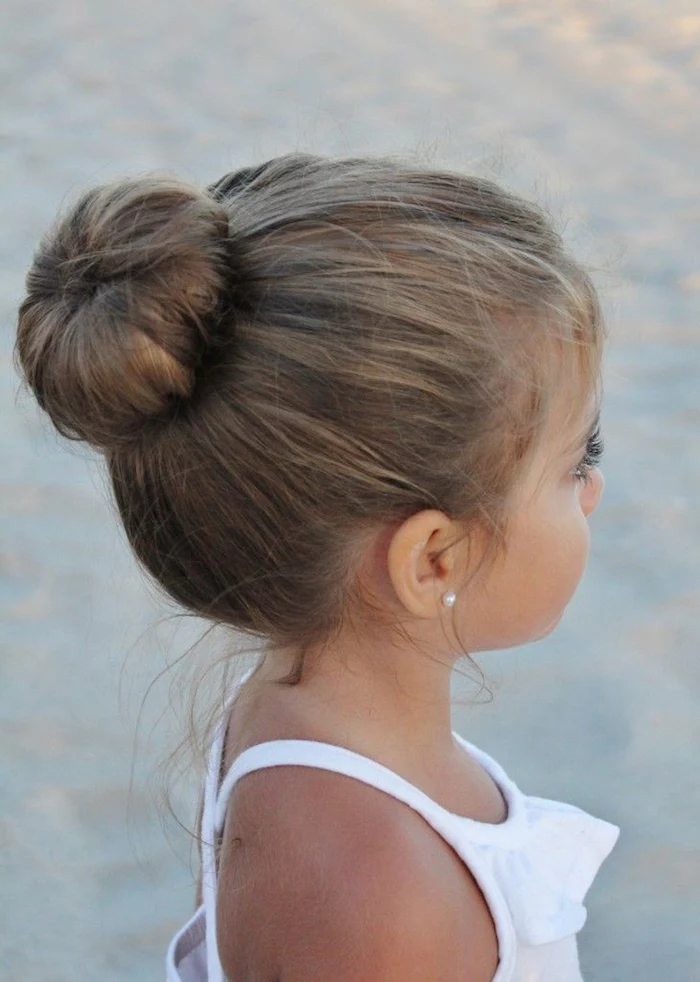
(325, 878)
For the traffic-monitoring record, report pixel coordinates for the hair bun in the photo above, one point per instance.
(123, 299)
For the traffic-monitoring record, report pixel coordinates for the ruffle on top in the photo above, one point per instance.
(542, 859)
(545, 878)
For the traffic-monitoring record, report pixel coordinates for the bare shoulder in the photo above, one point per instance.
(324, 877)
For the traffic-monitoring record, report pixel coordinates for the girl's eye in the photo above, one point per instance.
(591, 458)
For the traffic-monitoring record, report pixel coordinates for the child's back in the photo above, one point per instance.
(349, 408)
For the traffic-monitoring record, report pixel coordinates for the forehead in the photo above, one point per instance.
(571, 419)
(562, 439)
(556, 409)
(573, 404)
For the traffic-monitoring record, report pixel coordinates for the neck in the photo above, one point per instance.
(374, 693)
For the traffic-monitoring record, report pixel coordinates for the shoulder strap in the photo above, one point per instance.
(208, 837)
(329, 757)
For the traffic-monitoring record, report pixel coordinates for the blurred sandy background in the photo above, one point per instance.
(592, 106)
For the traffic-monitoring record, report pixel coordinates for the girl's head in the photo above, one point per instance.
(328, 391)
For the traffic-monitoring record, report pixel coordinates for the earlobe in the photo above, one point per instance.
(418, 567)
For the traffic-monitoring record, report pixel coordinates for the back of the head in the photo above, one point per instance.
(295, 357)
(119, 302)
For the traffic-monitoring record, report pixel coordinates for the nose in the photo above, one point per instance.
(592, 491)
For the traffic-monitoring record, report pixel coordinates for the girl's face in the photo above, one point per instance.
(523, 595)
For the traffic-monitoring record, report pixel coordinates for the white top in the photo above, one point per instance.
(534, 869)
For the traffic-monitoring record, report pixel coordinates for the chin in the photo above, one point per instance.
(536, 633)
(526, 637)
(549, 628)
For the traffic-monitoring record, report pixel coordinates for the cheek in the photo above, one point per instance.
(573, 552)
(537, 577)
(563, 552)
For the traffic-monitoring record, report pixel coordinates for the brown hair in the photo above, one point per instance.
(303, 352)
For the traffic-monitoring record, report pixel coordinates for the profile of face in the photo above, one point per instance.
(520, 594)
(524, 593)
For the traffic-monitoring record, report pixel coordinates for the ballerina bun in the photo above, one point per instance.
(124, 297)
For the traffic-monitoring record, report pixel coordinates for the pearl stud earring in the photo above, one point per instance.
(449, 599)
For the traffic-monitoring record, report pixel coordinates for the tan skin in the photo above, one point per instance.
(322, 877)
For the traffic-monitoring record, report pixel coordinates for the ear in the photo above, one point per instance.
(419, 571)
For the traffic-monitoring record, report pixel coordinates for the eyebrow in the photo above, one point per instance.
(595, 425)
(581, 441)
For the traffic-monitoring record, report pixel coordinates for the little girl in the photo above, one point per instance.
(350, 409)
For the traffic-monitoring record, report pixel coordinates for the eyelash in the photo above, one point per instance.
(591, 458)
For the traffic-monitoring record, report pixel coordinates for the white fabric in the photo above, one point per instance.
(534, 869)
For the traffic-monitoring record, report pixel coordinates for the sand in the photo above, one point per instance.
(593, 107)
